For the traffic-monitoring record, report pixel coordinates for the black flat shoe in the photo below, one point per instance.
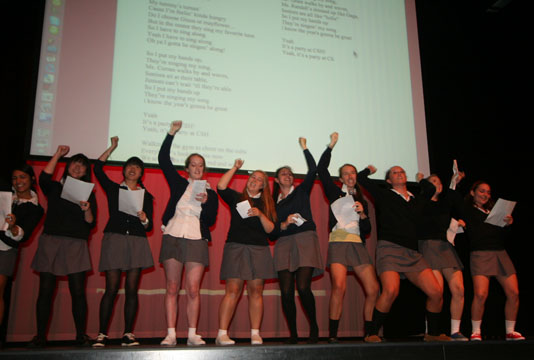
(37, 342)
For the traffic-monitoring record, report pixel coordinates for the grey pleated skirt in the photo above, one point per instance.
(124, 252)
(8, 260)
(491, 263)
(61, 255)
(440, 254)
(246, 262)
(350, 254)
(394, 257)
(298, 250)
(184, 250)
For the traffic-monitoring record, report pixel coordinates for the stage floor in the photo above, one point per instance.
(409, 349)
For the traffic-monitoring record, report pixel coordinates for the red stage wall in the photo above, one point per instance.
(151, 315)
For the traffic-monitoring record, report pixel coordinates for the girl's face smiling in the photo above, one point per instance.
(481, 195)
(21, 182)
(255, 183)
(195, 169)
(77, 170)
(132, 172)
(434, 180)
(285, 177)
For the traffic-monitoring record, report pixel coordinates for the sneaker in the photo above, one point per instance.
(372, 339)
(37, 342)
(476, 337)
(101, 340)
(168, 341)
(458, 336)
(128, 339)
(432, 338)
(256, 339)
(224, 340)
(195, 341)
(83, 341)
(514, 336)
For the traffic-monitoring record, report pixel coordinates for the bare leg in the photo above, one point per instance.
(367, 275)
(338, 278)
(456, 285)
(233, 290)
(390, 281)
(173, 274)
(511, 290)
(255, 302)
(426, 281)
(193, 277)
(480, 288)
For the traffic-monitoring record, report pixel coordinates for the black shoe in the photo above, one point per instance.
(101, 340)
(83, 341)
(128, 339)
(291, 340)
(333, 340)
(37, 342)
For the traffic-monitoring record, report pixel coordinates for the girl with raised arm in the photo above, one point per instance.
(246, 255)
(397, 253)
(438, 252)
(124, 245)
(184, 247)
(346, 246)
(488, 258)
(297, 255)
(62, 248)
(19, 224)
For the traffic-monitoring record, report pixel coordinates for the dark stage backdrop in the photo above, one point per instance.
(475, 72)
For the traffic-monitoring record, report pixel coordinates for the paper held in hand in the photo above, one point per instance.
(343, 209)
(131, 202)
(243, 208)
(501, 209)
(75, 190)
(199, 187)
(6, 198)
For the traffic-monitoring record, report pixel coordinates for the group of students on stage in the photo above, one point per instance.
(412, 244)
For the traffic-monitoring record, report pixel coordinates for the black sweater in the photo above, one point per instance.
(65, 218)
(333, 192)
(178, 184)
(397, 218)
(298, 202)
(27, 217)
(247, 231)
(120, 222)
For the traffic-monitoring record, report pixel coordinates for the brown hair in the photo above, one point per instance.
(268, 206)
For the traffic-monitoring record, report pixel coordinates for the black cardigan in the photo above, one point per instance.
(178, 184)
(65, 218)
(120, 222)
(27, 216)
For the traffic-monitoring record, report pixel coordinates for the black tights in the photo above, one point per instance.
(113, 280)
(303, 278)
(47, 287)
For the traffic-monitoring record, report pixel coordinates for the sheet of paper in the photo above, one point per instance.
(343, 209)
(454, 228)
(501, 209)
(243, 208)
(199, 187)
(75, 190)
(6, 198)
(455, 174)
(299, 220)
(131, 202)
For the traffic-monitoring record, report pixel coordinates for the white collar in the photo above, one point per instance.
(345, 189)
(257, 196)
(280, 195)
(34, 199)
(410, 195)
